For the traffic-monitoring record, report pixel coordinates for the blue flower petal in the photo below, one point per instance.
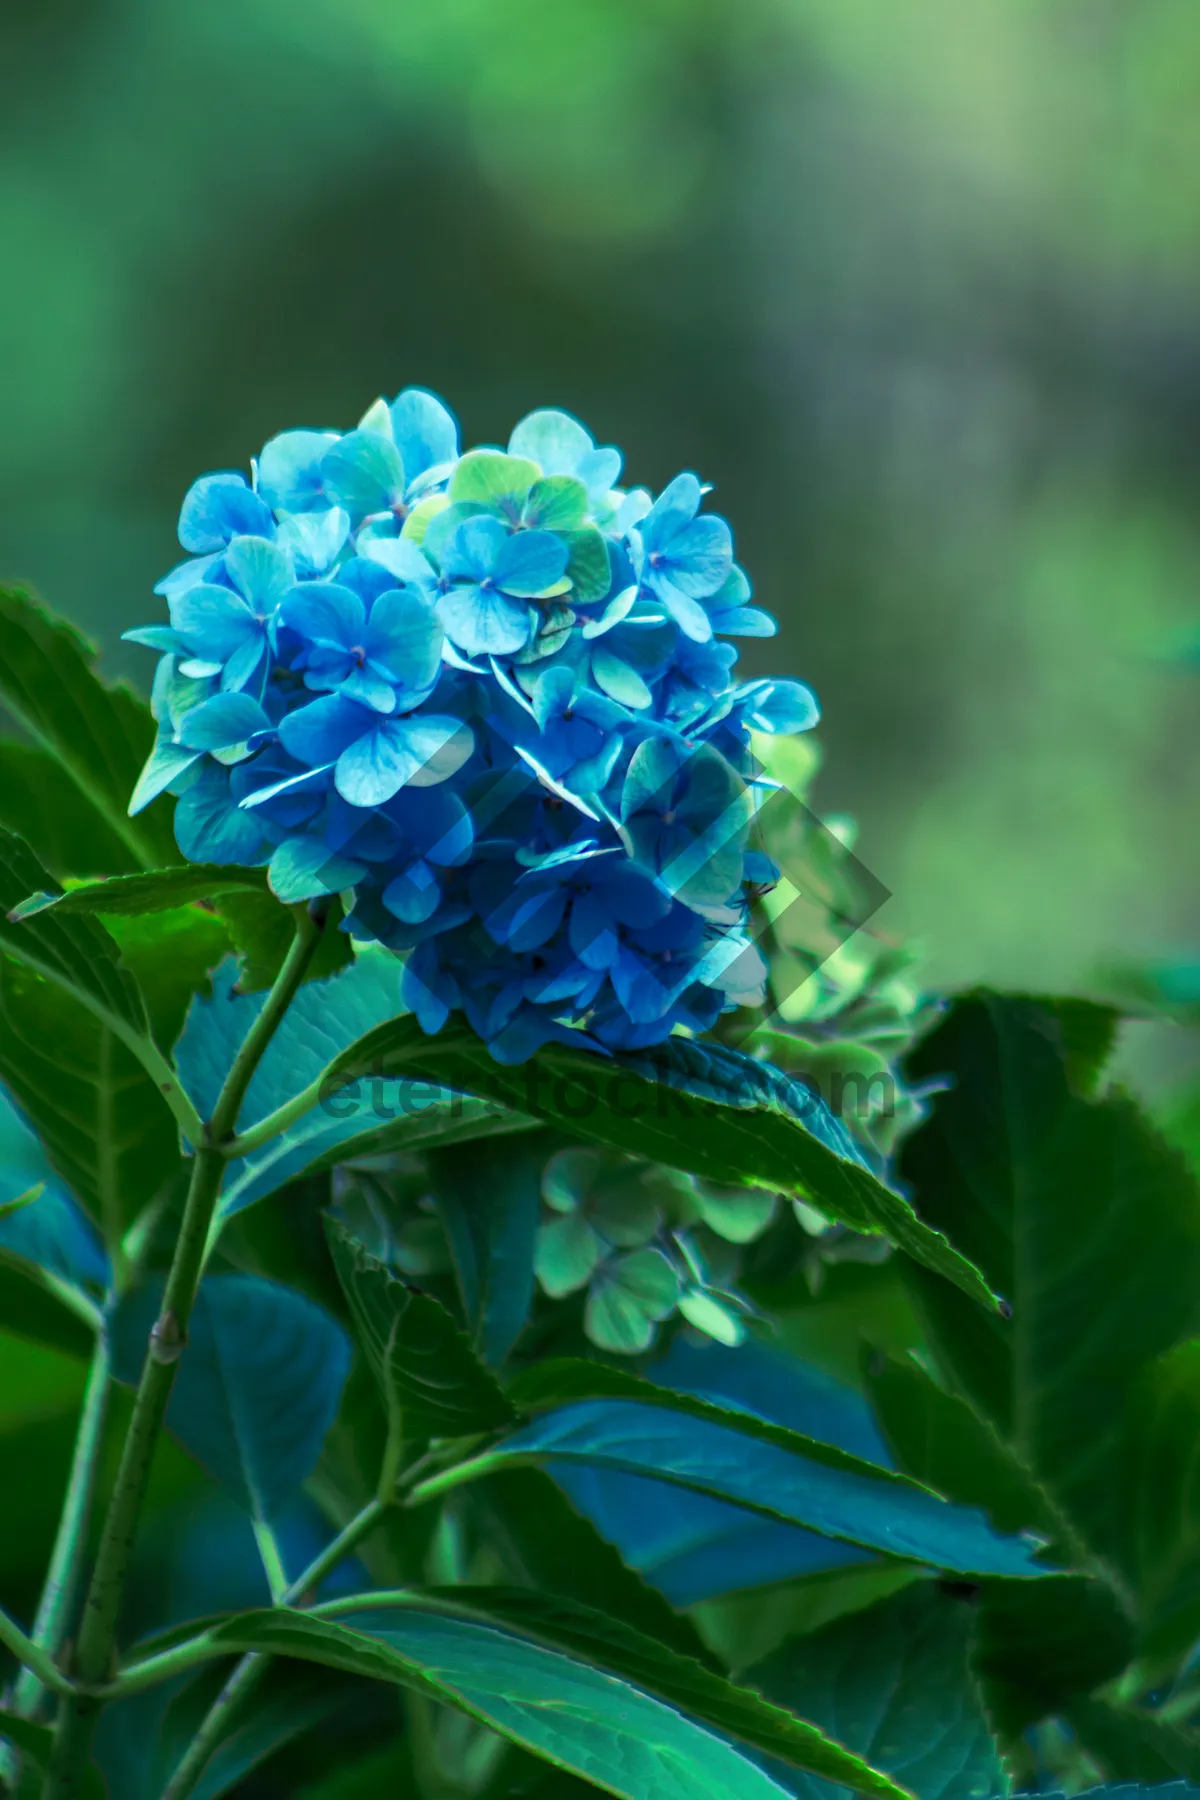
(700, 556)
(651, 778)
(186, 574)
(155, 637)
(552, 439)
(304, 868)
(484, 622)
(414, 894)
(220, 507)
(404, 638)
(289, 470)
(313, 540)
(687, 613)
(400, 557)
(675, 507)
(325, 613)
(744, 621)
(210, 827)
(319, 733)
(261, 572)
(425, 432)
(165, 764)
(368, 689)
(779, 706)
(473, 548)
(619, 681)
(364, 473)
(529, 562)
(222, 722)
(394, 752)
(239, 672)
(213, 621)
(441, 745)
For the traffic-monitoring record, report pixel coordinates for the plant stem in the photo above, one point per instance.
(66, 1560)
(458, 1476)
(278, 1121)
(243, 1681)
(252, 1667)
(223, 1123)
(32, 1656)
(98, 1625)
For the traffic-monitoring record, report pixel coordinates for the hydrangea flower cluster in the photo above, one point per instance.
(488, 695)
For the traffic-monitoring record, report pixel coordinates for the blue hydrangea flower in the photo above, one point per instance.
(494, 696)
(684, 558)
(492, 575)
(384, 652)
(225, 626)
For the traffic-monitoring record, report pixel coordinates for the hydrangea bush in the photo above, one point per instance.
(491, 693)
(532, 1383)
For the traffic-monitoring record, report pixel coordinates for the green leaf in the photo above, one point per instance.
(893, 1684)
(432, 1120)
(587, 1634)
(583, 1720)
(50, 1231)
(490, 1207)
(294, 1699)
(40, 803)
(324, 1016)
(100, 1117)
(171, 956)
(588, 567)
(75, 953)
(1134, 1746)
(551, 1547)
(1159, 1549)
(157, 890)
(937, 1438)
(1077, 1211)
(258, 1388)
(1039, 1645)
(261, 931)
(558, 1382)
(32, 1310)
(489, 478)
(768, 1470)
(697, 1107)
(431, 1381)
(99, 735)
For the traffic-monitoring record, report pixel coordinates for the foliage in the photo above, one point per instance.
(489, 1432)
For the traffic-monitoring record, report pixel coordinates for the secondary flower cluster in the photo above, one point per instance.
(489, 694)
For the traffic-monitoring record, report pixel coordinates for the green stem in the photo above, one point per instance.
(241, 1683)
(223, 1123)
(66, 1560)
(159, 1070)
(461, 1473)
(276, 1122)
(271, 1558)
(152, 1670)
(252, 1667)
(98, 1625)
(32, 1656)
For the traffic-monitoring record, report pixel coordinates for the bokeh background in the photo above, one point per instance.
(915, 285)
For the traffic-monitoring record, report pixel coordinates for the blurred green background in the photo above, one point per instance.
(914, 284)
